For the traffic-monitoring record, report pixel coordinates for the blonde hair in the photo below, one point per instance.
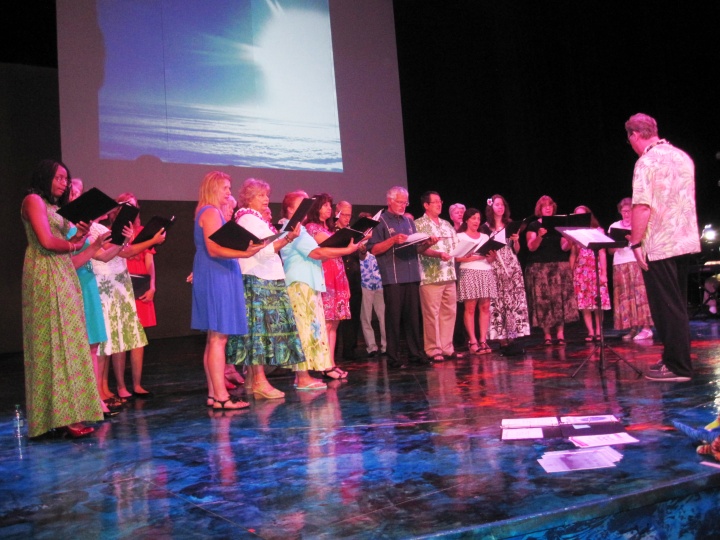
(251, 188)
(210, 186)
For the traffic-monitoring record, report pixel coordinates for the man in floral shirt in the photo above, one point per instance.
(664, 232)
(438, 298)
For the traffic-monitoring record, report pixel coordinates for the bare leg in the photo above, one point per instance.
(332, 327)
(118, 362)
(211, 393)
(561, 331)
(98, 375)
(136, 363)
(587, 319)
(215, 362)
(104, 369)
(469, 321)
(484, 318)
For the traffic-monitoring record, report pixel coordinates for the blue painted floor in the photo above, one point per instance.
(399, 454)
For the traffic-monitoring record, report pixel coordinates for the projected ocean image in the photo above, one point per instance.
(246, 83)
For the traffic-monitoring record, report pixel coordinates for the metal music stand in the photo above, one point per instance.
(595, 240)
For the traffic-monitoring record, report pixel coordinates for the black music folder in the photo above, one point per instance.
(565, 220)
(89, 206)
(234, 236)
(126, 216)
(153, 227)
(490, 245)
(619, 235)
(300, 213)
(342, 237)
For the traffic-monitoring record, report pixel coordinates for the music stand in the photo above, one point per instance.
(591, 238)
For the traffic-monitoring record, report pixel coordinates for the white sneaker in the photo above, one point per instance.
(643, 334)
(629, 335)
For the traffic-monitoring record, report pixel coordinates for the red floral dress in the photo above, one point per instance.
(336, 298)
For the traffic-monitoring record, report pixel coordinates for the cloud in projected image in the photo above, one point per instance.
(247, 83)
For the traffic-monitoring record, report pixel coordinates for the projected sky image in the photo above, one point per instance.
(248, 83)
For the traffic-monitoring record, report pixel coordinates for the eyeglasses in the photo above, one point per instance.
(439, 201)
(401, 203)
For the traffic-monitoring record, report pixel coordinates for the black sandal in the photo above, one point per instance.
(231, 399)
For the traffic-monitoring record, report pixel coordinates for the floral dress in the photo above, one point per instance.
(584, 281)
(336, 298)
(508, 310)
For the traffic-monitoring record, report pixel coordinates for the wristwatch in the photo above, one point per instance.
(635, 246)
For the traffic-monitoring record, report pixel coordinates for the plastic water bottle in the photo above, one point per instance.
(19, 423)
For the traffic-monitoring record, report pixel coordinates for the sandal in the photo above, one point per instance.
(211, 400)
(473, 347)
(272, 393)
(315, 385)
(590, 338)
(548, 342)
(561, 342)
(438, 358)
(337, 373)
(484, 348)
(233, 400)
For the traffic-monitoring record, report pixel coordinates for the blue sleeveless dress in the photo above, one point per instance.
(218, 298)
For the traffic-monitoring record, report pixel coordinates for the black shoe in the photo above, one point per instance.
(143, 395)
(421, 361)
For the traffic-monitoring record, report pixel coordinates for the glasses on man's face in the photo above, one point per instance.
(401, 203)
(439, 201)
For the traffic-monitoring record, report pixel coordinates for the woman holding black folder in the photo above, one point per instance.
(476, 282)
(631, 308)
(548, 276)
(336, 298)
(218, 301)
(272, 337)
(508, 310)
(305, 280)
(60, 387)
(123, 327)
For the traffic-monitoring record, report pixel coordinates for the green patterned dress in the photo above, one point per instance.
(60, 387)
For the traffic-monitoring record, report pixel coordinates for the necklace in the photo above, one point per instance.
(653, 145)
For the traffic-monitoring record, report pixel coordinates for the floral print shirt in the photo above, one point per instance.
(664, 179)
(370, 273)
(434, 269)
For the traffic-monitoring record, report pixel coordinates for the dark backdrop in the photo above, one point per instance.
(529, 98)
(522, 98)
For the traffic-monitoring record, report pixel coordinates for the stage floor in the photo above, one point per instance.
(399, 454)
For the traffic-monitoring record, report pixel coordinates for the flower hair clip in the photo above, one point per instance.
(489, 201)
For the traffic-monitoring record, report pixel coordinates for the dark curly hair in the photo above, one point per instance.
(42, 179)
(313, 215)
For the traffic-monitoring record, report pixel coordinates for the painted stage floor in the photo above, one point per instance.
(399, 454)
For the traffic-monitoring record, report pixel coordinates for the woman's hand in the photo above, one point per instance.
(292, 235)
(251, 250)
(83, 229)
(159, 237)
(101, 240)
(148, 296)
(491, 256)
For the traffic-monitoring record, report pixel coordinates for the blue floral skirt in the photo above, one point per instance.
(272, 338)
